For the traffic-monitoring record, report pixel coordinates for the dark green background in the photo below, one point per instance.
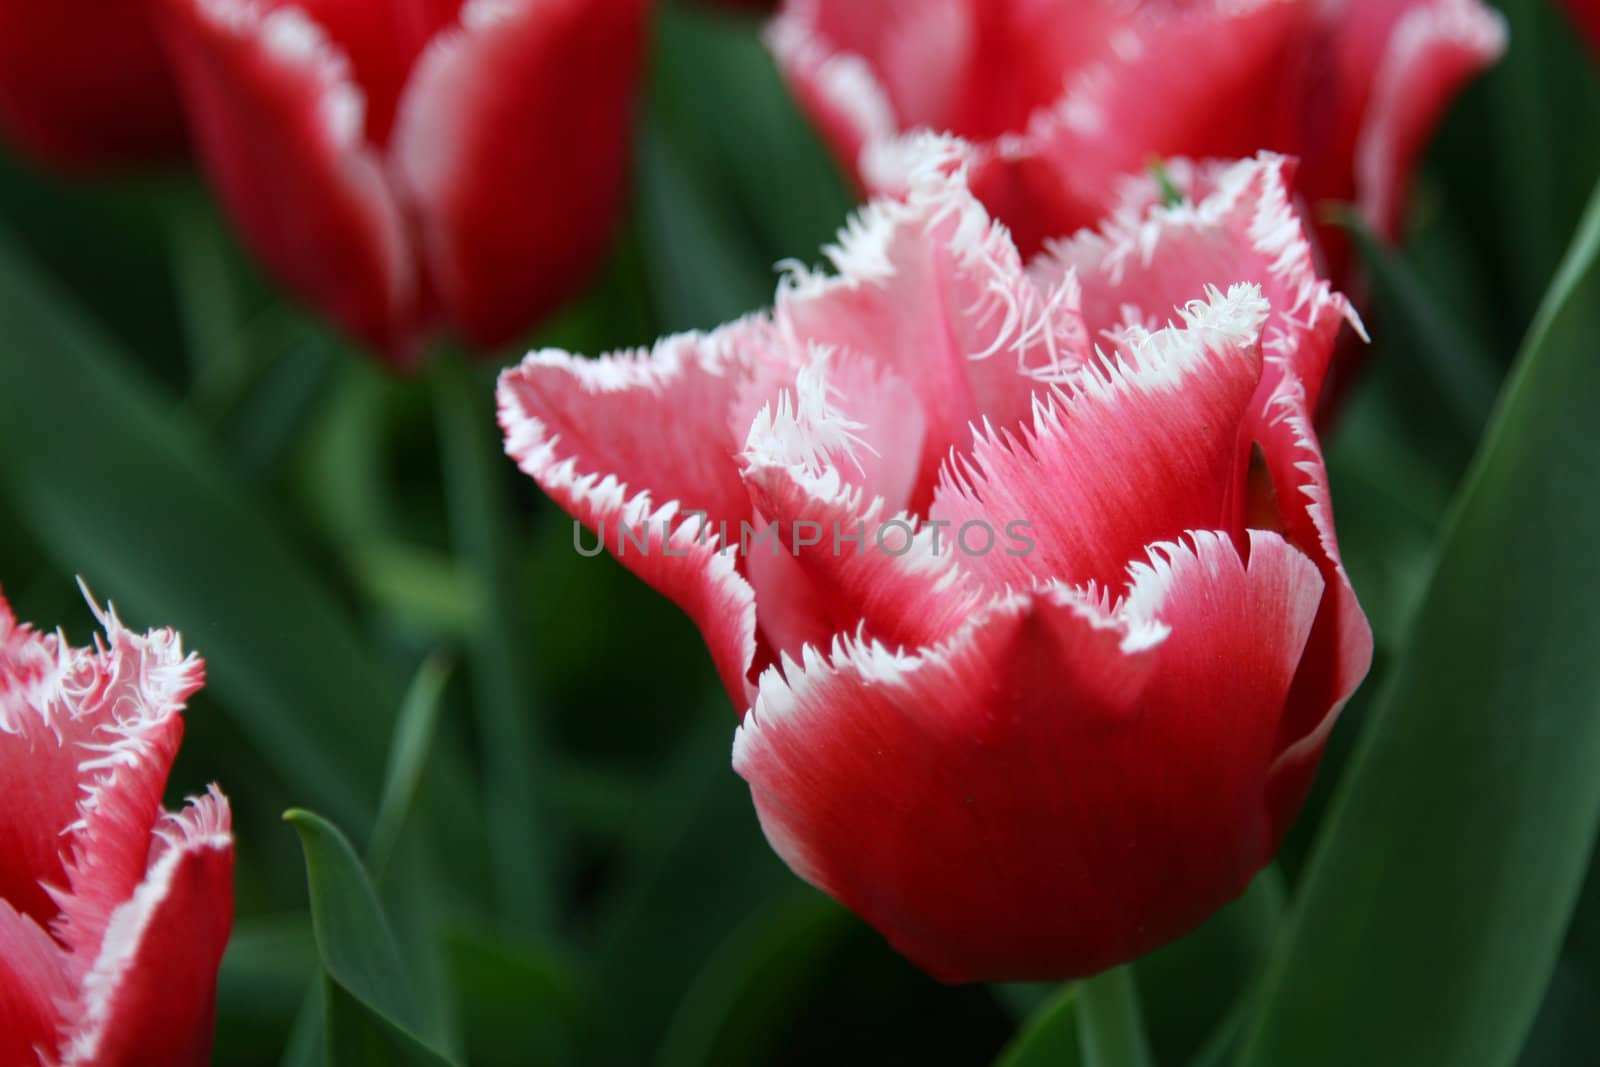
(579, 877)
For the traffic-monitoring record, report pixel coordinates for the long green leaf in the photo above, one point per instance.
(523, 838)
(371, 1004)
(408, 755)
(1430, 918)
(124, 489)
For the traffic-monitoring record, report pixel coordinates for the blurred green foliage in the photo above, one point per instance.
(569, 872)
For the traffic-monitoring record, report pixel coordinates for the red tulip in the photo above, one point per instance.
(1074, 712)
(83, 83)
(113, 912)
(415, 166)
(1062, 97)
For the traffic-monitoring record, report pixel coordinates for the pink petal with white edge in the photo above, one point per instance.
(933, 290)
(1238, 224)
(842, 484)
(1431, 49)
(150, 994)
(278, 123)
(87, 737)
(513, 225)
(662, 420)
(1153, 441)
(1339, 650)
(125, 700)
(1018, 829)
(33, 983)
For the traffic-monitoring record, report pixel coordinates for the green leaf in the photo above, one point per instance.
(1051, 1037)
(408, 755)
(371, 1005)
(742, 1003)
(1110, 1025)
(523, 838)
(123, 488)
(1430, 917)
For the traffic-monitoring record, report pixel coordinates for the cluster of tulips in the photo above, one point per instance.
(1092, 296)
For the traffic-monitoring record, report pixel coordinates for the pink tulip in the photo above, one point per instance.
(413, 167)
(1062, 97)
(113, 912)
(83, 83)
(1026, 576)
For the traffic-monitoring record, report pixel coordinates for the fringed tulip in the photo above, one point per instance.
(1063, 97)
(1026, 576)
(83, 83)
(415, 167)
(113, 912)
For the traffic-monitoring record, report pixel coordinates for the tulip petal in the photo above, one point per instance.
(86, 739)
(934, 291)
(664, 419)
(841, 485)
(1430, 48)
(1139, 447)
(150, 994)
(84, 83)
(279, 126)
(33, 981)
(515, 182)
(965, 817)
(1339, 650)
(1238, 224)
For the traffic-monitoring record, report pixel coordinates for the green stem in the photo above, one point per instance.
(520, 830)
(1112, 1033)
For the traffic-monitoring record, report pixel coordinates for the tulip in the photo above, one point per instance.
(412, 167)
(1061, 99)
(83, 83)
(1026, 576)
(113, 912)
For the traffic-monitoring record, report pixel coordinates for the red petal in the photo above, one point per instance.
(1140, 449)
(84, 83)
(822, 477)
(382, 42)
(150, 995)
(1238, 225)
(662, 421)
(33, 981)
(1403, 62)
(1055, 790)
(1339, 650)
(86, 738)
(278, 125)
(512, 145)
(933, 290)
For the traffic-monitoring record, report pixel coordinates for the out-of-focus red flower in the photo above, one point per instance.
(1062, 97)
(408, 167)
(1035, 564)
(83, 83)
(113, 912)
(1587, 14)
